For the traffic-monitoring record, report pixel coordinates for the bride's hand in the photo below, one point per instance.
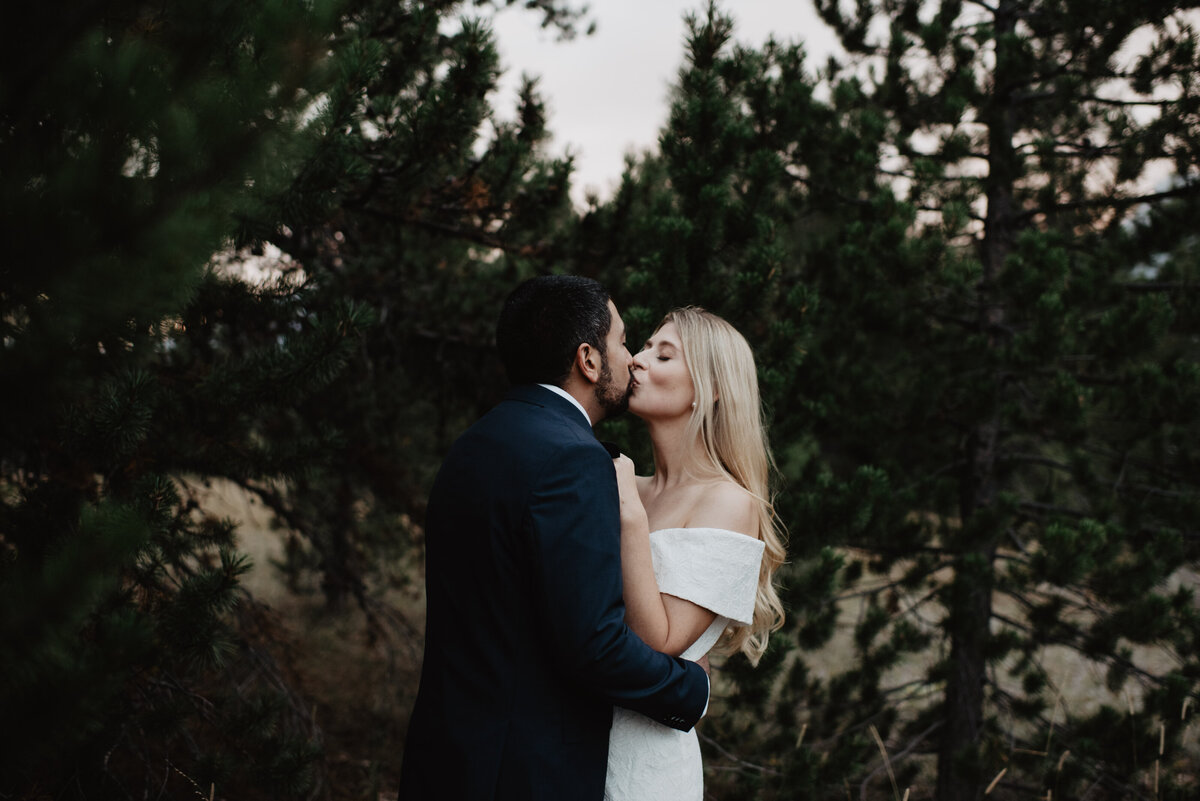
(631, 503)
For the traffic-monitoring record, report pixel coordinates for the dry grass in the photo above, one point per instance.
(361, 682)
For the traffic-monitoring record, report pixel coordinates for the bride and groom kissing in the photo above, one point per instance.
(570, 603)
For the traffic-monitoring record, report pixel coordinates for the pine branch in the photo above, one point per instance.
(1075, 644)
(1055, 94)
(921, 684)
(891, 585)
(961, 322)
(936, 156)
(984, 6)
(1097, 380)
(1155, 491)
(739, 763)
(385, 612)
(1014, 558)
(475, 235)
(1029, 458)
(1049, 508)
(276, 503)
(1150, 467)
(252, 615)
(864, 724)
(1188, 190)
(1065, 149)
(814, 188)
(1156, 286)
(171, 684)
(1102, 76)
(1111, 101)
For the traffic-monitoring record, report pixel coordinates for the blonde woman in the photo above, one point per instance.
(699, 541)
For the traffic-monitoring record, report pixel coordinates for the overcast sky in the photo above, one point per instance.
(606, 94)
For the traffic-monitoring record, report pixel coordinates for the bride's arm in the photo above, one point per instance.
(664, 622)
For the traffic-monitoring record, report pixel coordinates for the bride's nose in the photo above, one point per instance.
(637, 361)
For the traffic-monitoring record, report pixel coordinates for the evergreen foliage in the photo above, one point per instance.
(131, 135)
(1029, 414)
(963, 258)
(138, 141)
(424, 206)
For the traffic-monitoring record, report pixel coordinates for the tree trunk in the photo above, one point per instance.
(960, 772)
(339, 579)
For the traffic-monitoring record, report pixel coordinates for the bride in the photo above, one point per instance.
(699, 539)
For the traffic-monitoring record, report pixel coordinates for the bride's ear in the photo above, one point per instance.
(587, 360)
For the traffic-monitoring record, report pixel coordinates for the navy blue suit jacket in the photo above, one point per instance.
(526, 649)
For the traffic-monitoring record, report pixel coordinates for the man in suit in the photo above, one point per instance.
(526, 649)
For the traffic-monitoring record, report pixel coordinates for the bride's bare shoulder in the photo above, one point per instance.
(725, 504)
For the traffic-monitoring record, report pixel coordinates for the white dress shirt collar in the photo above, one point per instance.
(571, 398)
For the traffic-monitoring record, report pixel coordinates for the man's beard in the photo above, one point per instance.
(611, 395)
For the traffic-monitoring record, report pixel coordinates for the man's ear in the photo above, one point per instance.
(587, 361)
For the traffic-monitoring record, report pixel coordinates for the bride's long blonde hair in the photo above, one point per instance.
(728, 422)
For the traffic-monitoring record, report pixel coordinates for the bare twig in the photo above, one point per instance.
(739, 763)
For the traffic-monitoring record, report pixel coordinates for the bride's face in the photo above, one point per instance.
(662, 386)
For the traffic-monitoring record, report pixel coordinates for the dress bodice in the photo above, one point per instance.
(718, 570)
(713, 568)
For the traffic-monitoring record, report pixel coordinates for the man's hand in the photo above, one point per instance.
(703, 662)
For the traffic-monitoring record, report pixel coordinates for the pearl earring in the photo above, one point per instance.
(693, 404)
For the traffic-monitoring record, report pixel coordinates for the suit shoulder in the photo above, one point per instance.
(575, 451)
(533, 436)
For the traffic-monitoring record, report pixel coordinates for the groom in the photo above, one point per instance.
(526, 649)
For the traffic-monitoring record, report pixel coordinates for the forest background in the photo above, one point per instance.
(255, 250)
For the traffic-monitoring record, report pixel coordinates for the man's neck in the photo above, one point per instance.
(570, 396)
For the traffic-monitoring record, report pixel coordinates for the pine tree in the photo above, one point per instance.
(131, 136)
(989, 392)
(151, 152)
(425, 206)
(1031, 418)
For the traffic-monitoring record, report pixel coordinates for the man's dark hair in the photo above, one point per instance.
(543, 323)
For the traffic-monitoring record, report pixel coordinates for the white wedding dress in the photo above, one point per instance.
(715, 569)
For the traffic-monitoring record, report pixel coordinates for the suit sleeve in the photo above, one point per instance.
(573, 520)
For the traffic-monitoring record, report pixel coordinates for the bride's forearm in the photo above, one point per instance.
(644, 609)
